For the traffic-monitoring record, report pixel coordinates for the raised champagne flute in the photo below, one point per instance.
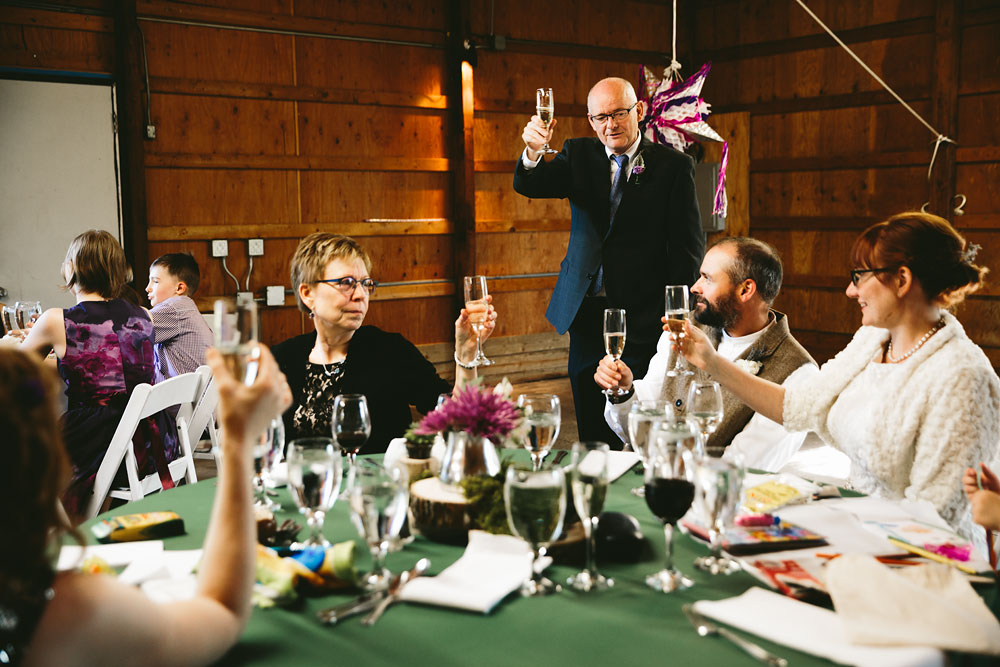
(676, 300)
(379, 499)
(535, 501)
(266, 452)
(545, 108)
(314, 474)
(235, 332)
(669, 494)
(589, 481)
(718, 484)
(351, 424)
(543, 415)
(704, 411)
(478, 308)
(644, 421)
(614, 340)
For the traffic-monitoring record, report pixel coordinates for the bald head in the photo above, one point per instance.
(610, 96)
(615, 86)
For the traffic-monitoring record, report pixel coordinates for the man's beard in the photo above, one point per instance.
(721, 315)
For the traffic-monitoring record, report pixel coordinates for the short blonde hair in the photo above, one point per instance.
(315, 252)
(99, 264)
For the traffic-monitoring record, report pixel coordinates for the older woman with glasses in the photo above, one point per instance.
(331, 275)
(911, 400)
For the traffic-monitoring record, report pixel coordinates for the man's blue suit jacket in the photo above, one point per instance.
(655, 240)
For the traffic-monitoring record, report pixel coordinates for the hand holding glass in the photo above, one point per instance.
(478, 309)
(589, 480)
(535, 501)
(235, 332)
(543, 416)
(545, 108)
(314, 472)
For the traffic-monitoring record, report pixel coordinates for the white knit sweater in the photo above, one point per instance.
(932, 416)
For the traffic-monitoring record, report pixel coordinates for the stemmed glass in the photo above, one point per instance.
(704, 410)
(543, 415)
(266, 452)
(26, 312)
(589, 479)
(614, 340)
(676, 301)
(536, 506)
(545, 108)
(668, 495)
(235, 334)
(314, 472)
(644, 421)
(379, 500)
(478, 309)
(8, 313)
(718, 484)
(351, 424)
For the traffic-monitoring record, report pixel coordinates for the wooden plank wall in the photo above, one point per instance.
(831, 153)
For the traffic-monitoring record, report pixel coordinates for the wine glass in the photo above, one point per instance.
(535, 501)
(668, 495)
(266, 452)
(543, 415)
(718, 484)
(478, 309)
(644, 420)
(9, 314)
(589, 480)
(545, 108)
(379, 499)
(676, 301)
(235, 332)
(314, 472)
(26, 312)
(351, 424)
(614, 340)
(704, 411)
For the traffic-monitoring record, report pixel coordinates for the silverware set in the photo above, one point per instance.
(705, 627)
(375, 602)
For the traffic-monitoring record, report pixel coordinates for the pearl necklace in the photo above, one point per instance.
(920, 343)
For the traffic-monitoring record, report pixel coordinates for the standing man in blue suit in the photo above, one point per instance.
(635, 228)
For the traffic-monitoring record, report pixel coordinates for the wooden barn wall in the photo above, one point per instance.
(831, 152)
(276, 118)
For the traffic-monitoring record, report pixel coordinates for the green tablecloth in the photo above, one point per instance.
(627, 625)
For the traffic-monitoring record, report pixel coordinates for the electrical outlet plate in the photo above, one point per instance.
(255, 247)
(243, 298)
(275, 295)
(220, 248)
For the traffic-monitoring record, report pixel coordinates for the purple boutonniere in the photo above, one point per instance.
(638, 167)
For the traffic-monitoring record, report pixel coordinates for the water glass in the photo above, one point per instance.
(267, 452)
(543, 415)
(535, 501)
(380, 497)
(589, 481)
(26, 313)
(314, 472)
(718, 485)
(704, 411)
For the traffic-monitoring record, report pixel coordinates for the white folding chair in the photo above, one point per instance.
(203, 416)
(146, 400)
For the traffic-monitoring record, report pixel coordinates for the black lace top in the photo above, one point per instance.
(313, 416)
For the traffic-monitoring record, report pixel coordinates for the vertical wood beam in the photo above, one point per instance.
(944, 102)
(130, 85)
(461, 60)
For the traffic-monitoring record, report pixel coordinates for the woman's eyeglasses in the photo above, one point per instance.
(347, 284)
(857, 273)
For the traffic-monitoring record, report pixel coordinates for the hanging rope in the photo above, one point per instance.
(940, 138)
(673, 73)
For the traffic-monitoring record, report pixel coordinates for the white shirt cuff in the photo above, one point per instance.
(529, 164)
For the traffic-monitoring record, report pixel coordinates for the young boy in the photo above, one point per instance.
(181, 334)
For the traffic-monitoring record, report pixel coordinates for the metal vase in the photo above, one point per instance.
(466, 455)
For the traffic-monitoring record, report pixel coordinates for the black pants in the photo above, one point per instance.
(586, 349)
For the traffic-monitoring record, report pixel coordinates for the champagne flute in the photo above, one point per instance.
(676, 301)
(535, 501)
(351, 424)
(589, 479)
(718, 484)
(545, 109)
(379, 500)
(314, 472)
(614, 340)
(235, 332)
(479, 310)
(644, 421)
(543, 415)
(668, 495)
(266, 452)
(26, 313)
(704, 411)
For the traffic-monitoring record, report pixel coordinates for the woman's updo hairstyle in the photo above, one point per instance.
(940, 258)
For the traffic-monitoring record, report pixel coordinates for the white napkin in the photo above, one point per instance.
(620, 463)
(809, 629)
(116, 555)
(170, 565)
(931, 605)
(491, 568)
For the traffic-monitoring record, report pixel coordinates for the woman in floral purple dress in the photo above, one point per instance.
(104, 345)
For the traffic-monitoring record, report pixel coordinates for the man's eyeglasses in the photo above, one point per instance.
(347, 284)
(618, 115)
(857, 273)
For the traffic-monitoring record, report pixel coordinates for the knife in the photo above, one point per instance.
(706, 627)
(394, 590)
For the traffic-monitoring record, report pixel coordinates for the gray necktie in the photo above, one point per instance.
(617, 188)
